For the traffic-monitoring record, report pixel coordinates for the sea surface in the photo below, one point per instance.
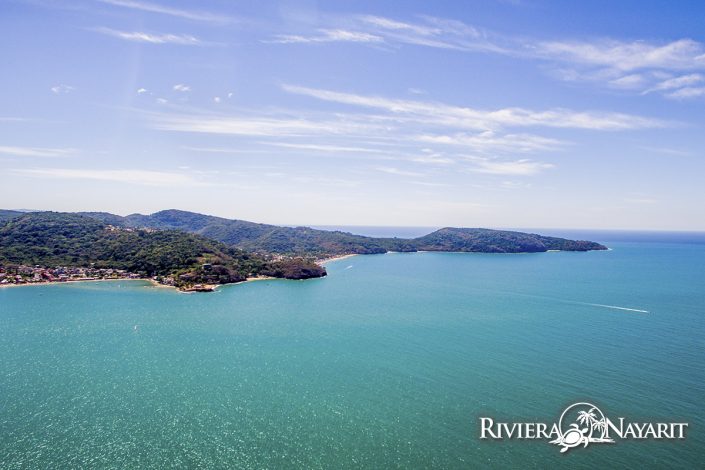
(389, 362)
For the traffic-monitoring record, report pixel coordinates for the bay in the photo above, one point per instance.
(387, 363)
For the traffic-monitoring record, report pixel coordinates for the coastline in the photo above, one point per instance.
(256, 278)
(213, 287)
(152, 283)
(74, 281)
(334, 258)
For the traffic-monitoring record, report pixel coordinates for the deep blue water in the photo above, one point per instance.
(386, 363)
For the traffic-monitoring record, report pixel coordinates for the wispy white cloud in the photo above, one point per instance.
(327, 35)
(641, 66)
(385, 141)
(140, 177)
(514, 185)
(398, 172)
(429, 184)
(36, 151)
(426, 31)
(152, 38)
(676, 82)
(687, 92)
(223, 150)
(617, 64)
(254, 125)
(667, 151)
(181, 87)
(683, 54)
(175, 12)
(395, 25)
(62, 89)
(430, 157)
(493, 142)
(322, 148)
(523, 167)
(141, 91)
(470, 118)
(659, 81)
(422, 138)
(429, 31)
(631, 81)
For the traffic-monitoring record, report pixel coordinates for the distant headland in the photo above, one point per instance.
(195, 252)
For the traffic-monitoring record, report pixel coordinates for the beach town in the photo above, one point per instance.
(22, 274)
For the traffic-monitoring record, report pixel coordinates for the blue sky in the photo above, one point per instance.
(495, 113)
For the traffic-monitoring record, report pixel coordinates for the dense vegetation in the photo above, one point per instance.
(497, 241)
(61, 239)
(260, 238)
(6, 215)
(191, 248)
(304, 241)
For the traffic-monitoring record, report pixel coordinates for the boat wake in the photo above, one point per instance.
(615, 307)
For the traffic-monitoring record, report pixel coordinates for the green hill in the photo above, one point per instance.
(304, 241)
(6, 215)
(260, 238)
(497, 241)
(178, 244)
(64, 239)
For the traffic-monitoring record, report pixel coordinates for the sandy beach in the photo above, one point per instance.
(74, 281)
(152, 282)
(258, 278)
(334, 258)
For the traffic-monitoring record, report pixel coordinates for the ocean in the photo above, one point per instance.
(389, 362)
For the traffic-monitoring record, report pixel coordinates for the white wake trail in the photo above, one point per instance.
(615, 307)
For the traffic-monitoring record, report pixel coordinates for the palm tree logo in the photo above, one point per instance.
(590, 426)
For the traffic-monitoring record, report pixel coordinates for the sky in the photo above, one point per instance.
(520, 113)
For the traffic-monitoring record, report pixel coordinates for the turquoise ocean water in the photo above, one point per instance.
(386, 363)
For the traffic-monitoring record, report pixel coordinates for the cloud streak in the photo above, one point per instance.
(631, 66)
(426, 31)
(139, 177)
(625, 65)
(491, 141)
(256, 126)
(152, 38)
(425, 135)
(36, 151)
(174, 12)
(62, 89)
(327, 35)
(523, 167)
(398, 172)
(683, 54)
(470, 118)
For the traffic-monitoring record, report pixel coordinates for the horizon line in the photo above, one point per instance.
(434, 226)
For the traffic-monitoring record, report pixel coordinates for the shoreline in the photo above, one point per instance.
(74, 281)
(335, 258)
(213, 287)
(151, 283)
(255, 278)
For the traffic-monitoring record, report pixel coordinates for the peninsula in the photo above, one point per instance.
(193, 252)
